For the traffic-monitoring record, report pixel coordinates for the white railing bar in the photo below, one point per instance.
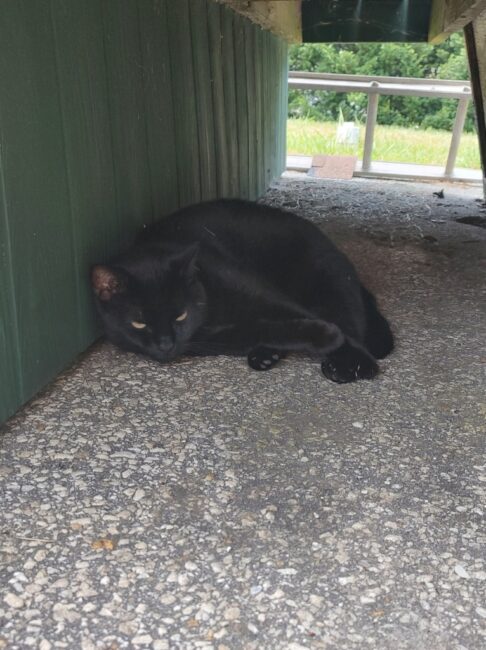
(381, 79)
(456, 135)
(443, 92)
(371, 115)
(376, 86)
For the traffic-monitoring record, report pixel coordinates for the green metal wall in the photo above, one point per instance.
(113, 112)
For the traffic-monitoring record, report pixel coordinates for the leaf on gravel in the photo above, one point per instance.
(103, 544)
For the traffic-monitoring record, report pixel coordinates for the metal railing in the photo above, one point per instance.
(374, 86)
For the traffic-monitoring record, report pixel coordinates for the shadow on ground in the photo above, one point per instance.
(203, 505)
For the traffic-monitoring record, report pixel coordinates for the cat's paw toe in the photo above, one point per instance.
(263, 358)
(349, 363)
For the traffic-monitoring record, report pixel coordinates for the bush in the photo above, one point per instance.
(445, 61)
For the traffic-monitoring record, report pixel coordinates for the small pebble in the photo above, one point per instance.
(160, 644)
(143, 639)
(461, 571)
(232, 613)
(139, 494)
(288, 571)
(13, 600)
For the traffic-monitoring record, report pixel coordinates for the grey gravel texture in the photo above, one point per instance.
(204, 505)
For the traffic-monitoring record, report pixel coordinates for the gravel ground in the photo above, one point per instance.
(203, 505)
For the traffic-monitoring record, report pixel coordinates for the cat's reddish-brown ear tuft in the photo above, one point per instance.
(106, 282)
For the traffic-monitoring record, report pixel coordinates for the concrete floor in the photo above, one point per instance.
(203, 505)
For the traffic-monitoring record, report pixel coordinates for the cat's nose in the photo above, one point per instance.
(165, 343)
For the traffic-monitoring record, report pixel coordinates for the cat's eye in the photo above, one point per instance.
(138, 326)
(182, 317)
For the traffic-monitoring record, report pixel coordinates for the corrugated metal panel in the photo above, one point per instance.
(36, 202)
(221, 113)
(113, 112)
(204, 99)
(241, 107)
(229, 61)
(95, 220)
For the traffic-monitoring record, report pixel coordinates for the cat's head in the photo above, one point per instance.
(151, 302)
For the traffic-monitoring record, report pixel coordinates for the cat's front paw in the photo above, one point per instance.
(262, 358)
(349, 363)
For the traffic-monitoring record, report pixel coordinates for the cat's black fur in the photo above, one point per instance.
(235, 277)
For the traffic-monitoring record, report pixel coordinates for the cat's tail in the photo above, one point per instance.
(378, 337)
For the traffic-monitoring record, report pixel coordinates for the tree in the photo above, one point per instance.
(445, 61)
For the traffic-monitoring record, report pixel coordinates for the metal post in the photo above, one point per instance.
(370, 126)
(456, 135)
(474, 46)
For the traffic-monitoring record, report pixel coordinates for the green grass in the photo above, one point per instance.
(391, 144)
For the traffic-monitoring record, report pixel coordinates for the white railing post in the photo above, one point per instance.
(370, 126)
(400, 87)
(456, 135)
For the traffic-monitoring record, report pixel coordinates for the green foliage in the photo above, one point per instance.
(445, 61)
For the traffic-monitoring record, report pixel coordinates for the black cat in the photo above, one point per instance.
(235, 277)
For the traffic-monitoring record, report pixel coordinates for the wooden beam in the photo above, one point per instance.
(365, 21)
(282, 17)
(449, 16)
(475, 34)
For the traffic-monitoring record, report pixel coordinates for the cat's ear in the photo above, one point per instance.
(187, 260)
(106, 282)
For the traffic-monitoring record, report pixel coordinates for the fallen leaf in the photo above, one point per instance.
(103, 544)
